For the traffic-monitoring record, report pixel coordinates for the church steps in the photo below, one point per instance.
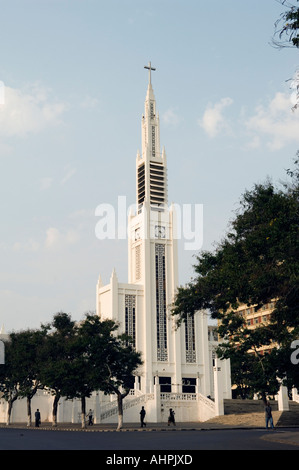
(201, 405)
(237, 406)
(112, 409)
(289, 418)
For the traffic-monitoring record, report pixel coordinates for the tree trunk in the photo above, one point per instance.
(264, 398)
(54, 409)
(120, 411)
(9, 409)
(83, 412)
(28, 411)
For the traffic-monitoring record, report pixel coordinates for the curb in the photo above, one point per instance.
(150, 429)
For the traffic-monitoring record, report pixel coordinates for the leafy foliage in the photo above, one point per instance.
(287, 27)
(256, 263)
(72, 360)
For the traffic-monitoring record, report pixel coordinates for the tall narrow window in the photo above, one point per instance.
(152, 109)
(130, 317)
(137, 263)
(162, 353)
(141, 184)
(153, 141)
(190, 340)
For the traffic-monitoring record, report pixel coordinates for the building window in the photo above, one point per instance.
(161, 319)
(152, 110)
(165, 384)
(130, 317)
(137, 263)
(141, 184)
(190, 340)
(189, 385)
(153, 141)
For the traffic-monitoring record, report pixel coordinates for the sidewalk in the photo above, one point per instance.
(127, 427)
(229, 422)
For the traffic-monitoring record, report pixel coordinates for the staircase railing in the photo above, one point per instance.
(111, 409)
(170, 396)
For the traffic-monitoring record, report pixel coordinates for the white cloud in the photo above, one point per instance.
(170, 117)
(89, 102)
(274, 124)
(82, 213)
(45, 183)
(30, 111)
(52, 237)
(5, 149)
(69, 174)
(56, 239)
(276, 121)
(213, 121)
(254, 143)
(30, 245)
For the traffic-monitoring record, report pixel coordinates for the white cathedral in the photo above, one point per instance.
(180, 369)
(179, 363)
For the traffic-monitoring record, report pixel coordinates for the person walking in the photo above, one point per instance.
(171, 417)
(142, 416)
(268, 415)
(90, 420)
(37, 418)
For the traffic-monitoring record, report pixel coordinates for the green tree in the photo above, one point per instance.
(9, 379)
(287, 35)
(121, 365)
(68, 374)
(111, 359)
(78, 359)
(54, 356)
(287, 26)
(26, 346)
(19, 376)
(256, 262)
(71, 359)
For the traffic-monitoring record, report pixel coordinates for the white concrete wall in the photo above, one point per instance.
(69, 411)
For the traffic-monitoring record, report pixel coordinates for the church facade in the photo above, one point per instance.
(180, 369)
(175, 360)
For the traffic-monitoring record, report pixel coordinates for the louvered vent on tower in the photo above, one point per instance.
(157, 185)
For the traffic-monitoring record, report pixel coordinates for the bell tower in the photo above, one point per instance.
(151, 164)
(175, 361)
(153, 247)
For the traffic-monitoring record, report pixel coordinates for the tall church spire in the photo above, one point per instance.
(150, 68)
(151, 164)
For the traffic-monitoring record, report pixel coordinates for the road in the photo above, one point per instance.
(178, 441)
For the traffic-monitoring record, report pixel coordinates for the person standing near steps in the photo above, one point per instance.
(37, 418)
(268, 415)
(171, 417)
(142, 416)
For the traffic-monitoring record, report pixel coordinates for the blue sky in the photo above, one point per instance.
(70, 129)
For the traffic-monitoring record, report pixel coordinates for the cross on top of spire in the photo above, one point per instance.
(150, 68)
